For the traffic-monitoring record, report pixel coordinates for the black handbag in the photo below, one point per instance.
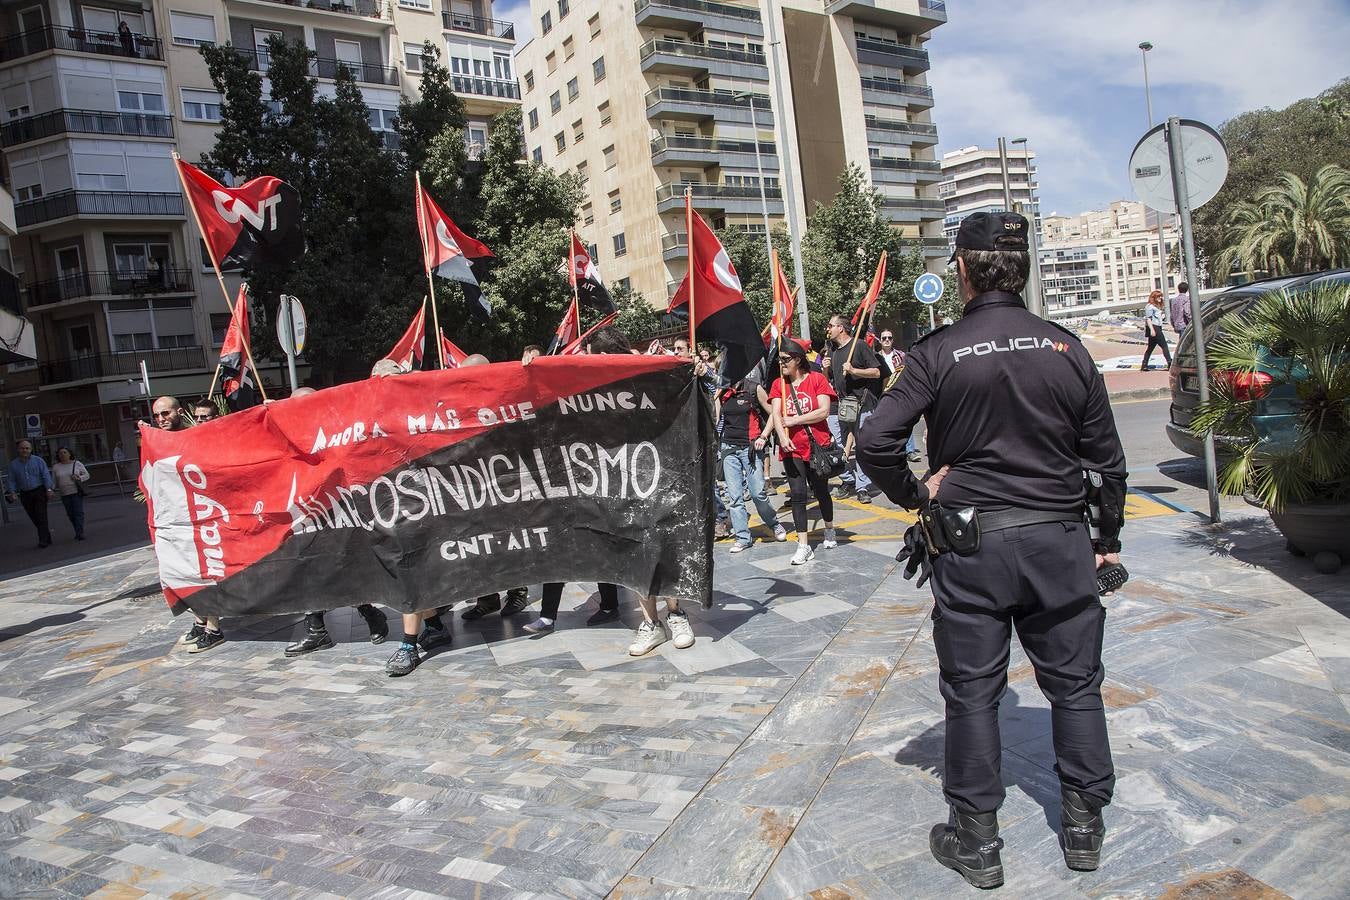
(826, 460)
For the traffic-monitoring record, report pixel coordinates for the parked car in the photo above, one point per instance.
(1274, 415)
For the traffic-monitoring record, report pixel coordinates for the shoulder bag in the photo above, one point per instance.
(827, 460)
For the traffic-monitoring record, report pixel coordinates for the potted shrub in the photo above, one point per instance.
(1279, 411)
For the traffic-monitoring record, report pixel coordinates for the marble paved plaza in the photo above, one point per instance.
(795, 751)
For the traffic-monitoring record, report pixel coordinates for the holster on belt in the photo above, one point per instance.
(954, 529)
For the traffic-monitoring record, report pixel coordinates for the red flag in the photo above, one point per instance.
(655, 349)
(869, 300)
(408, 350)
(585, 279)
(567, 331)
(780, 323)
(720, 311)
(454, 356)
(576, 346)
(238, 382)
(446, 250)
(255, 225)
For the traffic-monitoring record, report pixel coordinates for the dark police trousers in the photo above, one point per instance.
(1041, 580)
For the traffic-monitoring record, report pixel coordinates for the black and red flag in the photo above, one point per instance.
(253, 226)
(432, 487)
(446, 250)
(576, 346)
(238, 381)
(408, 352)
(567, 332)
(585, 279)
(720, 312)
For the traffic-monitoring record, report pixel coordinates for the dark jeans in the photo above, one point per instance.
(1040, 580)
(35, 504)
(74, 504)
(802, 483)
(548, 606)
(1160, 341)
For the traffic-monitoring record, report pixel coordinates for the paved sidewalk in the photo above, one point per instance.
(794, 750)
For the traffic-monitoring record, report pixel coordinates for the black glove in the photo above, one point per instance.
(915, 555)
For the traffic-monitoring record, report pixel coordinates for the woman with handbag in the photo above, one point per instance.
(801, 404)
(1153, 330)
(69, 476)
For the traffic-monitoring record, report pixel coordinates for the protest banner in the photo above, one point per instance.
(423, 489)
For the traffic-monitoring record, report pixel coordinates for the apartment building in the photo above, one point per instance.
(1104, 261)
(972, 181)
(647, 100)
(97, 94)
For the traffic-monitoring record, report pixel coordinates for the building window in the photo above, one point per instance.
(583, 169)
(587, 215)
(577, 134)
(615, 201)
(603, 109)
(415, 4)
(529, 81)
(594, 23)
(135, 101)
(552, 62)
(412, 57)
(537, 154)
(569, 49)
(383, 119)
(620, 244)
(546, 22)
(598, 70)
(564, 7)
(555, 101)
(28, 192)
(220, 323)
(192, 31)
(534, 119)
(573, 90)
(561, 140)
(609, 156)
(201, 106)
(624, 284)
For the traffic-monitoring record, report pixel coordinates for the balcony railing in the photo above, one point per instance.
(80, 40)
(9, 292)
(368, 73)
(906, 165)
(391, 140)
(891, 86)
(85, 121)
(103, 204)
(712, 98)
(900, 52)
(453, 21)
(367, 8)
(677, 241)
(750, 13)
(922, 128)
(691, 50)
(485, 87)
(716, 192)
(710, 145)
(93, 284)
(112, 365)
(915, 203)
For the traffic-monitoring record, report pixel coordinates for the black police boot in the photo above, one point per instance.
(316, 637)
(1081, 831)
(969, 843)
(375, 621)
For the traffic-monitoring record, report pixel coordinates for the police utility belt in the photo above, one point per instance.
(958, 529)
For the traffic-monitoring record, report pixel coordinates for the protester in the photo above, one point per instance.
(204, 410)
(1012, 434)
(857, 385)
(168, 414)
(30, 481)
(552, 599)
(1179, 310)
(1153, 330)
(680, 347)
(801, 403)
(742, 454)
(893, 358)
(70, 475)
(530, 353)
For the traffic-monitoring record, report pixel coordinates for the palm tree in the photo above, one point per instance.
(1292, 225)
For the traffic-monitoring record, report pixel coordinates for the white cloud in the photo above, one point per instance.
(517, 11)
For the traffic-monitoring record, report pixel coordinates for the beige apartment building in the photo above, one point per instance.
(646, 100)
(97, 94)
(972, 181)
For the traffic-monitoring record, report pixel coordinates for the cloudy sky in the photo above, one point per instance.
(1066, 74)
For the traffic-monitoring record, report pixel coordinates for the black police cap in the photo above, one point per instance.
(992, 231)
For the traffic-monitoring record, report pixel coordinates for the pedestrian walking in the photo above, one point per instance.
(855, 375)
(893, 358)
(30, 482)
(1153, 330)
(1011, 436)
(744, 437)
(1179, 308)
(801, 403)
(69, 475)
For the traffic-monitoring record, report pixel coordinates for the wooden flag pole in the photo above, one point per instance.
(426, 264)
(212, 389)
(576, 295)
(862, 319)
(689, 232)
(220, 279)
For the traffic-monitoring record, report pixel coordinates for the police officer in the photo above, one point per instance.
(1017, 413)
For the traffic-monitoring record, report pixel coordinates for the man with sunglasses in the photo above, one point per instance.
(168, 414)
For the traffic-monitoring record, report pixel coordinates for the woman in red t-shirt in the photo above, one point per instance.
(812, 394)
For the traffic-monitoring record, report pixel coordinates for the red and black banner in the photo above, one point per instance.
(418, 490)
(253, 226)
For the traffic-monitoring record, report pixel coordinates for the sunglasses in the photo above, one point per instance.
(886, 337)
(165, 414)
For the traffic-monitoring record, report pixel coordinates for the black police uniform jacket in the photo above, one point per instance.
(1014, 404)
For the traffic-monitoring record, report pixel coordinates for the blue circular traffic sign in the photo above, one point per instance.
(928, 288)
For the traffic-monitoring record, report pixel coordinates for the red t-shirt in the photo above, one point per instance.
(813, 385)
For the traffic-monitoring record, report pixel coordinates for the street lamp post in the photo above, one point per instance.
(1035, 301)
(1003, 164)
(785, 167)
(1144, 47)
(759, 170)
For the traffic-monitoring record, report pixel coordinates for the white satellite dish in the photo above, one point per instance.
(1205, 158)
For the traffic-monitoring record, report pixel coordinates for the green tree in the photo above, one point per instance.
(1292, 226)
(637, 319)
(435, 110)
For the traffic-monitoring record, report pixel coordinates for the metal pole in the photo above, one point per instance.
(785, 169)
(288, 345)
(1162, 239)
(1003, 164)
(1148, 98)
(763, 197)
(1034, 299)
(1179, 191)
(932, 318)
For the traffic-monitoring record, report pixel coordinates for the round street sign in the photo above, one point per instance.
(298, 325)
(1151, 167)
(928, 288)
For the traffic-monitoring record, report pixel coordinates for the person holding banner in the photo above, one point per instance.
(801, 403)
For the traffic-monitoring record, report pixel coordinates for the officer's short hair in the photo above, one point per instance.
(996, 270)
(608, 340)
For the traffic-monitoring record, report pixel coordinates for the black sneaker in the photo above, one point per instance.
(433, 636)
(192, 634)
(376, 622)
(843, 492)
(517, 599)
(914, 456)
(601, 616)
(489, 603)
(208, 640)
(403, 661)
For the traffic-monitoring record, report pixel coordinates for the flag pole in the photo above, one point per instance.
(220, 279)
(862, 319)
(431, 286)
(572, 275)
(689, 260)
(212, 389)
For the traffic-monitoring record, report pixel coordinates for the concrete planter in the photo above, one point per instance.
(1318, 530)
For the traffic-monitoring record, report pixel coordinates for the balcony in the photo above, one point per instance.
(699, 106)
(893, 92)
(84, 121)
(367, 73)
(903, 134)
(10, 293)
(663, 55)
(78, 40)
(674, 246)
(912, 210)
(367, 9)
(97, 205)
(896, 56)
(895, 170)
(107, 284)
(913, 16)
(119, 365)
(494, 28)
(485, 87)
(736, 199)
(697, 14)
(669, 150)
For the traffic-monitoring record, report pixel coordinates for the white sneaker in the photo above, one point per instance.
(829, 543)
(650, 635)
(740, 546)
(680, 631)
(779, 533)
(803, 555)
